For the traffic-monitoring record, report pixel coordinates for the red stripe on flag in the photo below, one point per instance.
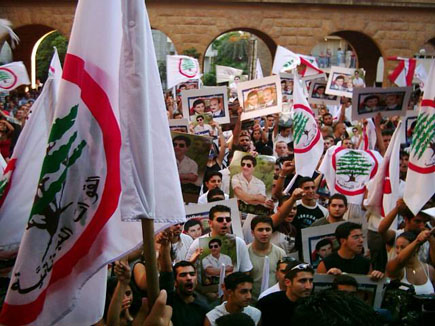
(426, 102)
(316, 138)
(411, 70)
(419, 169)
(96, 99)
(9, 167)
(396, 72)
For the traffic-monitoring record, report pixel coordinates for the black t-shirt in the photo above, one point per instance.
(356, 265)
(276, 309)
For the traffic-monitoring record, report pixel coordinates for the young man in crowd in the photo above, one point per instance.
(281, 268)
(212, 180)
(337, 207)
(193, 228)
(180, 242)
(277, 308)
(261, 228)
(238, 291)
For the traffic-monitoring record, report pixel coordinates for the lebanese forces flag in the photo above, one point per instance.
(308, 142)
(181, 68)
(347, 171)
(75, 228)
(285, 61)
(383, 189)
(403, 74)
(420, 179)
(12, 75)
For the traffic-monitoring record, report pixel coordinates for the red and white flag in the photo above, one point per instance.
(75, 228)
(368, 136)
(309, 66)
(308, 141)
(420, 179)
(383, 189)
(286, 60)
(12, 75)
(181, 68)
(347, 171)
(403, 74)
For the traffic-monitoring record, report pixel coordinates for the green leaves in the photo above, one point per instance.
(423, 134)
(299, 126)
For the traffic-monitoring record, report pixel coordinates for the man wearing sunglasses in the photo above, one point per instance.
(277, 308)
(281, 268)
(212, 262)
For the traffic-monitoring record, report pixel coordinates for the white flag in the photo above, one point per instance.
(181, 68)
(265, 277)
(75, 226)
(368, 136)
(55, 70)
(309, 66)
(383, 189)
(226, 74)
(12, 75)
(308, 141)
(420, 179)
(403, 74)
(285, 60)
(258, 70)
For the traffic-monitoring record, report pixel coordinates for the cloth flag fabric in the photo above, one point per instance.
(265, 277)
(309, 65)
(403, 74)
(347, 171)
(226, 74)
(75, 228)
(421, 74)
(181, 68)
(421, 166)
(258, 70)
(383, 189)
(12, 75)
(369, 136)
(308, 141)
(55, 69)
(285, 60)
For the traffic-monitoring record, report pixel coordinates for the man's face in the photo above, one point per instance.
(214, 105)
(301, 285)
(347, 143)
(404, 164)
(214, 182)
(247, 167)
(221, 223)
(244, 141)
(194, 231)
(339, 81)
(270, 121)
(199, 108)
(280, 275)
(180, 147)
(327, 120)
(185, 281)
(320, 90)
(354, 241)
(337, 208)
(286, 132)
(267, 95)
(371, 103)
(176, 229)
(325, 251)
(253, 100)
(242, 294)
(341, 128)
(262, 233)
(328, 142)
(281, 149)
(200, 121)
(391, 100)
(309, 190)
(386, 139)
(415, 224)
(19, 114)
(215, 249)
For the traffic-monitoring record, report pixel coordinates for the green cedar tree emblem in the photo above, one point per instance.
(300, 122)
(423, 136)
(352, 164)
(57, 162)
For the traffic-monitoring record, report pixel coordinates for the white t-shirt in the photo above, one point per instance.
(182, 247)
(210, 261)
(220, 311)
(243, 263)
(272, 289)
(187, 165)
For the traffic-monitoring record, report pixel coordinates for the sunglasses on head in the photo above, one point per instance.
(301, 267)
(221, 219)
(286, 259)
(249, 165)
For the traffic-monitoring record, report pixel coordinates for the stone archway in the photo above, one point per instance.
(366, 50)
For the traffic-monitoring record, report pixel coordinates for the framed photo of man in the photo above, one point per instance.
(213, 100)
(409, 121)
(367, 102)
(317, 94)
(187, 85)
(179, 125)
(369, 291)
(342, 81)
(286, 87)
(191, 154)
(260, 97)
(251, 180)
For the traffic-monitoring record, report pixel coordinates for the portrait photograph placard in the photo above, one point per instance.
(213, 100)
(409, 124)
(200, 211)
(369, 291)
(317, 94)
(179, 125)
(342, 81)
(260, 97)
(392, 101)
(286, 87)
(189, 84)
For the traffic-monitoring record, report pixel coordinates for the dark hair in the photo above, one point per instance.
(213, 193)
(291, 271)
(184, 138)
(338, 196)
(236, 278)
(403, 154)
(328, 307)
(182, 263)
(323, 243)
(371, 97)
(199, 116)
(326, 114)
(238, 318)
(343, 230)
(283, 199)
(387, 132)
(406, 213)
(190, 223)
(344, 279)
(198, 101)
(408, 235)
(218, 208)
(250, 158)
(218, 241)
(261, 219)
(211, 174)
(303, 180)
(339, 77)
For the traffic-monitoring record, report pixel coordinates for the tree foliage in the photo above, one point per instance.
(45, 53)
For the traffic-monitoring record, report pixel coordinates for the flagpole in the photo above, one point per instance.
(149, 254)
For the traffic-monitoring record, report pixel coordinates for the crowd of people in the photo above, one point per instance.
(205, 283)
